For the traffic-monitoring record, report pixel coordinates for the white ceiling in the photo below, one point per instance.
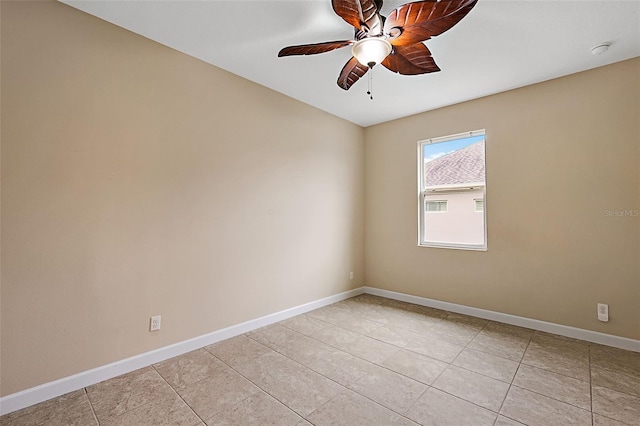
(500, 45)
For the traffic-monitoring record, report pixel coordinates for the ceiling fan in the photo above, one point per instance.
(394, 41)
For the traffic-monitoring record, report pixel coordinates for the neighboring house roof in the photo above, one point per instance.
(465, 165)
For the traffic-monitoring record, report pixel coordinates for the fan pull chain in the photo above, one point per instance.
(370, 88)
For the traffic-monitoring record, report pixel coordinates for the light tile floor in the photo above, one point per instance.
(368, 361)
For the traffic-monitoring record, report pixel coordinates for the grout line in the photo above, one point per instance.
(508, 390)
(276, 399)
(593, 419)
(130, 396)
(550, 397)
(381, 341)
(93, 411)
(411, 378)
(179, 396)
(465, 346)
(510, 418)
(290, 359)
(339, 384)
(516, 372)
(375, 363)
(413, 404)
(497, 413)
(322, 405)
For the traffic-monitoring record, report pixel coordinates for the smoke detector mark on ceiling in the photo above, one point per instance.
(600, 49)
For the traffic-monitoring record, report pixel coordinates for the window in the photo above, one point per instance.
(452, 183)
(436, 206)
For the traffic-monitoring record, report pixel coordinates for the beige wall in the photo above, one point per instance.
(559, 154)
(139, 181)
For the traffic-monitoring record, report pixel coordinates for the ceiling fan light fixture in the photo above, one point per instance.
(394, 41)
(371, 50)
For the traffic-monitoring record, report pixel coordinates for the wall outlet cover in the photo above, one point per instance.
(603, 312)
(154, 324)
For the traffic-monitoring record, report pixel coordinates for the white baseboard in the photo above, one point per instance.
(65, 385)
(562, 330)
(35, 395)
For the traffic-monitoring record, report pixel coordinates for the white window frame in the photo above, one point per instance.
(422, 194)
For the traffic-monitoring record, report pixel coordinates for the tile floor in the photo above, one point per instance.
(368, 361)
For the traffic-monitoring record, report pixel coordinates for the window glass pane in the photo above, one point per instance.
(452, 182)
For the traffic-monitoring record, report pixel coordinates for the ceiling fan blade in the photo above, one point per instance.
(415, 22)
(411, 60)
(358, 13)
(351, 72)
(313, 49)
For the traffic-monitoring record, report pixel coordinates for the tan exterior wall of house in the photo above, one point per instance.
(460, 224)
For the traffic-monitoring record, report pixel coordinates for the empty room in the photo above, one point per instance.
(322, 212)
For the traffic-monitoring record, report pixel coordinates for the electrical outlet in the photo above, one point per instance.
(154, 324)
(351, 275)
(603, 312)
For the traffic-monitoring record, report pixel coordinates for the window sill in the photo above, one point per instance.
(471, 247)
